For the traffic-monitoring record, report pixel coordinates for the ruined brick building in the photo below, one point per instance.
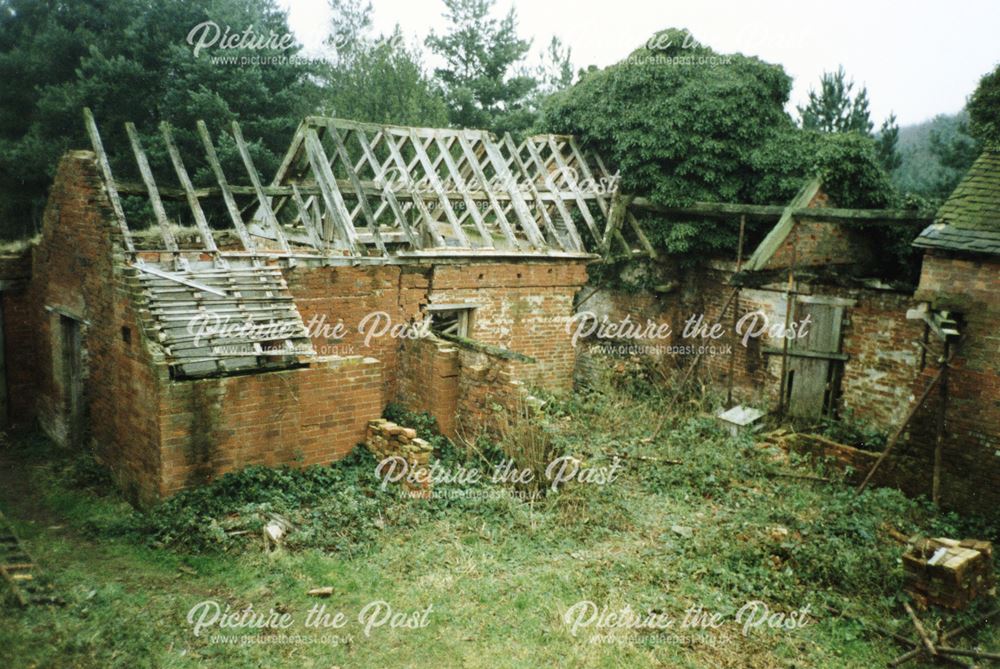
(875, 350)
(285, 316)
(276, 337)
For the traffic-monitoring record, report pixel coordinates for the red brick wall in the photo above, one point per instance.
(428, 380)
(159, 435)
(881, 342)
(971, 454)
(78, 269)
(302, 417)
(523, 306)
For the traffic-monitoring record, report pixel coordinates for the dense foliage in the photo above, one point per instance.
(984, 109)
(130, 61)
(683, 123)
(376, 78)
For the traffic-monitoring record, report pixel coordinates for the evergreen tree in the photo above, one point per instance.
(483, 79)
(376, 78)
(835, 108)
(130, 60)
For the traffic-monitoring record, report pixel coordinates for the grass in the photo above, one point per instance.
(716, 531)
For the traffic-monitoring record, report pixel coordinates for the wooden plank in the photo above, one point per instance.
(149, 269)
(311, 226)
(182, 175)
(471, 205)
(109, 181)
(331, 196)
(154, 196)
(797, 353)
(616, 216)
(606, 207)
(640, 234)
(473, 162)
(580, 202)
(560, 204)
(517, 200)
(227, 196)
(385, 190)
(262, 199)
(345, 158)
(430, 224)
(565, 241)
(431, 172)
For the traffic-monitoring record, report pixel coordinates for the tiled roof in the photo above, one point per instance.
(970, 219)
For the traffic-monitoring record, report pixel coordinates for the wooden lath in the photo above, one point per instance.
(381, 191)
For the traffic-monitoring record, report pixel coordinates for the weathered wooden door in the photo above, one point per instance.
(814, 364)
(72, 377)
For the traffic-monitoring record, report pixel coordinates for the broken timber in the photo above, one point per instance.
(19, 570)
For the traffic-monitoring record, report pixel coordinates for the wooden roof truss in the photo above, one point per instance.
(369, 192)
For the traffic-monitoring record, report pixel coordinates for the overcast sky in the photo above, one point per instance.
(918, 58)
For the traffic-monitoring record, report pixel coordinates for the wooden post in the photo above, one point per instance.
(789, 307)
(939, 436)
(736, 313)
(899, 431)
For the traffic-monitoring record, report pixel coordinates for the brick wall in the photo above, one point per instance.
(881, 343)
(522, 306)
(971, 454)
(428, 380)
(301, 417)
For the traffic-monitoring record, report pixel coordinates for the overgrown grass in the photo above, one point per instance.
(719, 529)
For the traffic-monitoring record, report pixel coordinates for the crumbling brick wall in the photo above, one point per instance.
(78, 272)
(19, 338)
(428, 380)
(970, 478)
(301, 417)
(522, 306)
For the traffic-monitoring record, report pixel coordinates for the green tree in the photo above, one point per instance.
(483, 78)
(130, 60)
(984, 109)
(683, 123)
(836, 108)
(376, 78)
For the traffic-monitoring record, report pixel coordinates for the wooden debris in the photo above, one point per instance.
(325, 591)
(949, 573)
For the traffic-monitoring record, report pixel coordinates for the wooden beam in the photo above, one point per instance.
(527, 221)
(227, 196)
(430, 223)
(902, 427)
(770, 212)
(312, 227)
(345, 158)
(388, 197)
(477, 170)
(109, 180)
(185, 180)
(604, 206)
(560, 204)
(154, 196)
(470, 204)
(262, 200)
(580, 202)
(334, 202)
(432, 178)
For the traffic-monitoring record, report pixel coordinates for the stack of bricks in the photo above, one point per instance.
(949, 573)
(387, 440)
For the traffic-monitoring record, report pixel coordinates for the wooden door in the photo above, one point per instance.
(814, 363)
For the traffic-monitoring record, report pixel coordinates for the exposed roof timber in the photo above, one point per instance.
(365, 190)
(769, 212)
